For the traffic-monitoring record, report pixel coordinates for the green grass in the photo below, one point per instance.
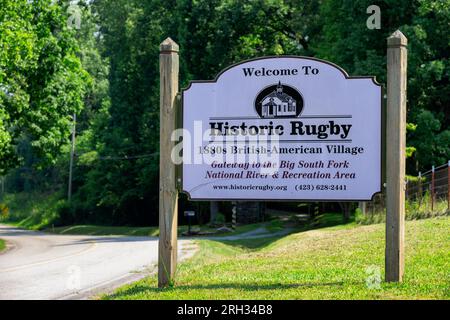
(33, 211)
(104, 230)
(2, 245)
(137, 231)
(328, 263)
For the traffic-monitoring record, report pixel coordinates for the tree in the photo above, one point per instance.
(42, 82)
(117, 171)
(348, 42)
(429, 83)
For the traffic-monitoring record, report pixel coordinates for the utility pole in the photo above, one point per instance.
(3, 185)
(72, 153)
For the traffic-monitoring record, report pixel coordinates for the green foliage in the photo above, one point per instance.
(4, 211)
(346, 41)
(414, 179)
(41, 79)
(215, 34)
(414, 210)
(428, 81)
(430, 139)
(33, 211)
(358, 215)
(220, 218)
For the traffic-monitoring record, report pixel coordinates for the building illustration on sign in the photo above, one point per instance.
(278, 103)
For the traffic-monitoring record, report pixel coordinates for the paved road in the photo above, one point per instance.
(45, 266)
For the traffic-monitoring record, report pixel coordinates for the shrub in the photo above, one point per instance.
(220, 219)
(33, 210)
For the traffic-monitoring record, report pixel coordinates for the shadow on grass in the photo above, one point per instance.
(181, 289)
(253, 244)
(321, 221)
(327, 220)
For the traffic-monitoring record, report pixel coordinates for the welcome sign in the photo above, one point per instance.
(282, 128)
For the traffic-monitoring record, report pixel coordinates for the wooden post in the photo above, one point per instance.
(420, 188)
(395, 156)
(363, 207)
(234, 216)
(448, 185)
(168, 194)
(407, 190)
(432, 188)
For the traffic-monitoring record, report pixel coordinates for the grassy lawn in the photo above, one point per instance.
(327, 263)
(149, 231)
(104, 230)
(2, 245)
(272, 226)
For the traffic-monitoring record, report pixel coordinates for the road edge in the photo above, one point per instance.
(189, 249)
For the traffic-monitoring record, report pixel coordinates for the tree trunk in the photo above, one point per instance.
(214, 210)
(346, 210)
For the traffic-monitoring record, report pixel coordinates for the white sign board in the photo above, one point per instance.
(282, 128)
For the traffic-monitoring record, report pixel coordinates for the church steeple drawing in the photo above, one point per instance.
(278, 104)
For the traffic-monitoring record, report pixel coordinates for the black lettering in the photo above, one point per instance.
(296, 128)
(248, 71)
(216, 126)
(346, 129)
(322, 134)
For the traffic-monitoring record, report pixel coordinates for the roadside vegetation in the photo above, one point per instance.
(34, 211)
(414, 210)
(2, 245)
(137, 231)
(340, 262)
(48, 212)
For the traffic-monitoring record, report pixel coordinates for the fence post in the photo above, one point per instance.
(363, 207)
(234, 216)
(395, 156)
(420, 188)
(406, 189)
(448, 185)
(432, 189)
(168, 194)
